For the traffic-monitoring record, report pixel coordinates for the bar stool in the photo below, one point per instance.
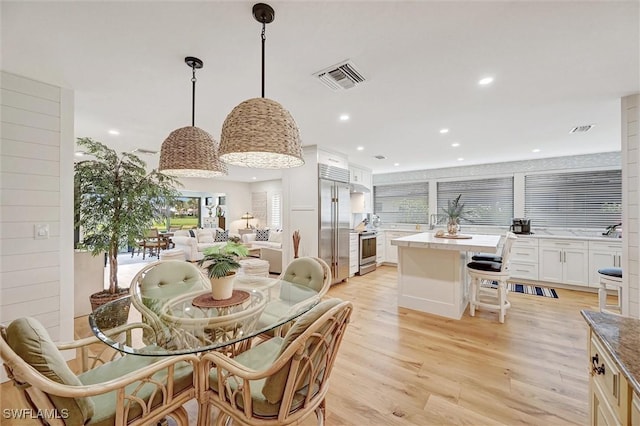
(610, 277)
(484, 270)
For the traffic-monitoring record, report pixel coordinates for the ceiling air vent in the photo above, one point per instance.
(379, 157)
(581, 129)
(341, 76)
(144, 151)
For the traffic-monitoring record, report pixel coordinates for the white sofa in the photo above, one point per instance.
(270, 250)
(194, 246)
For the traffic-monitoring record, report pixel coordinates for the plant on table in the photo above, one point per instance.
(116, 201)
(221, 263)
(455, 211)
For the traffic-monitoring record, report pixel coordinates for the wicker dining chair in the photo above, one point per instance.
(280, 381)
(110, 390)
(151, 242)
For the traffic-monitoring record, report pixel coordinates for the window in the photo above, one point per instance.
(489, 201)
(276, 211)
(574, 200)
(404, 203)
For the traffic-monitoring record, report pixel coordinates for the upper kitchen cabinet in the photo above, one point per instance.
(361, 189)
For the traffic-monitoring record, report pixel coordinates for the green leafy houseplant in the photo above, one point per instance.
(116, 201)
(455, 211)
(220, 261)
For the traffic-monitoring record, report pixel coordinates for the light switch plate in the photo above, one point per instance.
(41, 231)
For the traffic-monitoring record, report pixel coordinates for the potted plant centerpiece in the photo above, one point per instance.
(221, 264)
(117, 200)
(454, 211)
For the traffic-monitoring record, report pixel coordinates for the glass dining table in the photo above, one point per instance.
(174, 323)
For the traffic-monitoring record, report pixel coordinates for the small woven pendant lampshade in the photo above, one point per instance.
(260, 133)
(191, 152)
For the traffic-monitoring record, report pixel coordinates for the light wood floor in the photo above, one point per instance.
(402, 367)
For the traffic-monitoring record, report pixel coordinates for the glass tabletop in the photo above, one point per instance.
(179, 319)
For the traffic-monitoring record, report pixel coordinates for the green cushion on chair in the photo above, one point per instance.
(105, 404)
(274, 385)
(305, 271)
(31, 341)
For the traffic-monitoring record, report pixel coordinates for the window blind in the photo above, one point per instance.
(402, 203)
(489, 201)
(276, 211)
(574, 200)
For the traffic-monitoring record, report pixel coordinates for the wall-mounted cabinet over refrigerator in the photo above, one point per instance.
(334, 210)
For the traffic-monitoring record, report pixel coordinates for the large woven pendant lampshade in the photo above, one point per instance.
(260, 132)
(190, 151)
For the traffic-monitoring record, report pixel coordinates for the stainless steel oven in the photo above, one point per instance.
(367, 252)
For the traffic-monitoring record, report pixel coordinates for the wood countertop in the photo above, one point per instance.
(621, 338)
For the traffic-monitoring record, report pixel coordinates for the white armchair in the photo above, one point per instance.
(193, 242)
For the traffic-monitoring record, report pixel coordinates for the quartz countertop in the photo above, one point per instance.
(477, 242)
(621, 337)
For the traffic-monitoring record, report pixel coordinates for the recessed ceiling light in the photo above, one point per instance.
(396, 164)
(79, 153)
(254, 178)
(485, 81)
(460, 159)
(114, 132)
(535, 150)
(455, 144)
(360, 148)
(443, 131)
(344, 117)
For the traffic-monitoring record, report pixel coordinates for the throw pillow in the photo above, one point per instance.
(262, 235)
(222, 236)
(275, 237)
(191, 233)
(205, 236)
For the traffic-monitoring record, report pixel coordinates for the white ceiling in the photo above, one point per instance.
(556, 65)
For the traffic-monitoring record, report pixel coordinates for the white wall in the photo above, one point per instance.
(36, 187)
(630, 205)
(271, 187)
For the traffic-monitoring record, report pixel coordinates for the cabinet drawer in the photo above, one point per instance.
(528, 271)
(613, 245)
(525, 242)
(564, 244)
(526, 253)
(608, 376)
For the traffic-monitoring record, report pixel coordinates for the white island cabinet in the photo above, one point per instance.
(431, 271)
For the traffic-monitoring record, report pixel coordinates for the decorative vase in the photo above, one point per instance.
(222, 288)
(296, 243)
(452, 227)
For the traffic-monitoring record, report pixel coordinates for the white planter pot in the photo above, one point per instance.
(88, 278)
(222, 288)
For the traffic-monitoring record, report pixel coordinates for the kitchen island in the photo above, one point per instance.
(431, 271)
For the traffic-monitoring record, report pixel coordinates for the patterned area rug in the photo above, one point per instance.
(524, 288)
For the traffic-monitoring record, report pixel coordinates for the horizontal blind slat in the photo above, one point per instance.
(489, 201)
(403, 203)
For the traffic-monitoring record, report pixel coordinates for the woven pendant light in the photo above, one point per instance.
(260, 132)
(190, 151)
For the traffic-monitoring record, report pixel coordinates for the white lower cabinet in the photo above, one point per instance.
(564, 261)
(391, 252)
(524, 259)
(353, 254)
(380, 257)
(603, 254)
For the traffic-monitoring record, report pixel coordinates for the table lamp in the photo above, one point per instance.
(247, 216)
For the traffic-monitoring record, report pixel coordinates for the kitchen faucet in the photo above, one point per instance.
(433, 220)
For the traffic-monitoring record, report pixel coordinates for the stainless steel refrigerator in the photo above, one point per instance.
(334, 209)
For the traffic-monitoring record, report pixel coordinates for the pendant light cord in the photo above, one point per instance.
(264, 37)
(193, 96)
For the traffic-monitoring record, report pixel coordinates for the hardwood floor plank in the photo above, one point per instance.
(406, 368)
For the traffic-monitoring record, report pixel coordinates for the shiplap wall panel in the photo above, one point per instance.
(30, 103)
(29, 166)
(15, 132)
(33, 276)
(28, 182)
(30, 150)
(631, 205)
(36, 137)
(19, 230)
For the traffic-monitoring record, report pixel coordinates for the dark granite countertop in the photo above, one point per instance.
(621, 337)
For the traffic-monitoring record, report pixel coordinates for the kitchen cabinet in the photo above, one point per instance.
(380, 243)
(564, 261)
(603, 254)
(524, 259)
(353, 254)
(391, 252)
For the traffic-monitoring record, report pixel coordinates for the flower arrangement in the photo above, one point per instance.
(455, 211)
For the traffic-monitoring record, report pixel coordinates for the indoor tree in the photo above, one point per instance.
(117, 200)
